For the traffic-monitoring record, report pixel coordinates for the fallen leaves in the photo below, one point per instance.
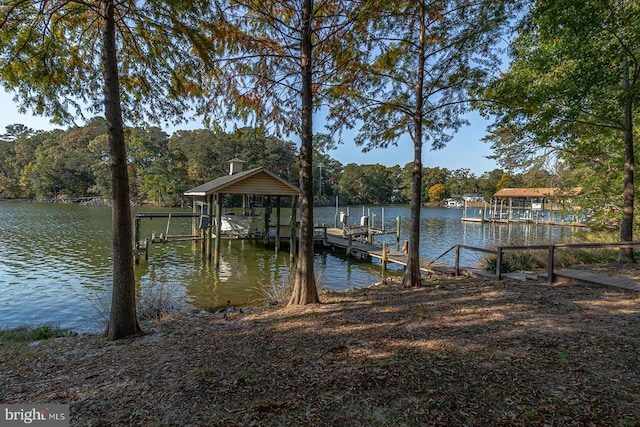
(465, 352)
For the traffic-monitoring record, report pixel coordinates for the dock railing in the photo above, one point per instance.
(500, 251)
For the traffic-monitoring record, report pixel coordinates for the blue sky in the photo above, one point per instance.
(466, 150)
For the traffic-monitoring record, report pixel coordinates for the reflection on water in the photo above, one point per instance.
(55, 259)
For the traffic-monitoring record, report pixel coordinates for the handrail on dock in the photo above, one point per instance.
(499, 252)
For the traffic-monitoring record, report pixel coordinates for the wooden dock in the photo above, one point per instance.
(582, 277)
(362, 250)
(338, 239)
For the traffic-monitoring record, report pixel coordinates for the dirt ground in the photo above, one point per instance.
(457, 352)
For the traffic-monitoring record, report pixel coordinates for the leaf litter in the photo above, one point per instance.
(457, 351)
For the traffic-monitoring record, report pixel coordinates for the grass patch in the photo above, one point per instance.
(277, 292)
(159, 301)
(23, 334)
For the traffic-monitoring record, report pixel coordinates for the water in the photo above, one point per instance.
(55, 259)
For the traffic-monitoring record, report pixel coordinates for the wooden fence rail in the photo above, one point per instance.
(500, 250)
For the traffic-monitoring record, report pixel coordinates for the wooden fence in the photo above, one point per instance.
(500, 250)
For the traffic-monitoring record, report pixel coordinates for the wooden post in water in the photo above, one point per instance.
(209, 232)
(293, 249)
(218, 239)
(384, 256)
(136, 239)
(194, 221)
(398, 231)
(277, 224)
(267, 218)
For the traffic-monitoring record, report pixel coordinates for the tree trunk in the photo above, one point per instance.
(626, 227)
(122, 321)
(412, 275)
(305, 290)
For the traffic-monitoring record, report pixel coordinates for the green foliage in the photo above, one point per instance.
(75, 162)
(28, 333)
(50, 57)
(367, 183)
(569, 100)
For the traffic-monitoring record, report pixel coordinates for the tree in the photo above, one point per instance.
(431, 177)
(13, 145)
(461, 181)
(488, 183)
(413, 64)
(574, 82)
(201, 153)
(436, 193)
(64, 165)
(130, 58)
(366, 183)
(277, 58)
(258, 149)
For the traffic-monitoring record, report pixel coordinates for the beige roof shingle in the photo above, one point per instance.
(538, 192)
(253, 181)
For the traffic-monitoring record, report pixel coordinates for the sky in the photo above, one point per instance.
(465, 151)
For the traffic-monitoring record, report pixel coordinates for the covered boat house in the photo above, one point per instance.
(550, 205)
(250, 184)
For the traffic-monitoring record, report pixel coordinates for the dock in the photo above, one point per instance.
(339, 238)
(344, 239)
(532, 213)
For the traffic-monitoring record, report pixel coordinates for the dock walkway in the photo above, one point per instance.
(588, 278)
(364, 250)
(335, 238)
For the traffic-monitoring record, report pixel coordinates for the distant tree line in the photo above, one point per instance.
(74, 163)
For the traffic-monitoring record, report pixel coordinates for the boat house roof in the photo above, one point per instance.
(538, 192)
(253, 181)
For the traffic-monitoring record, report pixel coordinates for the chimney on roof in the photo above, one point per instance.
(235, 166)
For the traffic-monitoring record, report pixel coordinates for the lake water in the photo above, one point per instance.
(55, 259)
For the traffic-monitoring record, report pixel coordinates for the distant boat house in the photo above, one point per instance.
(545, 204)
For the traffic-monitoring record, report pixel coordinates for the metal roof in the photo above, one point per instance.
(538, 192)
(253, 181)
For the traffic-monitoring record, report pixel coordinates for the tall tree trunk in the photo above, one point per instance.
(626, 227)
(305, 290)
(122, 321)
(412, 275)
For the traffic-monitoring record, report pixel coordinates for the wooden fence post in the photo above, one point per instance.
(550, 264)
